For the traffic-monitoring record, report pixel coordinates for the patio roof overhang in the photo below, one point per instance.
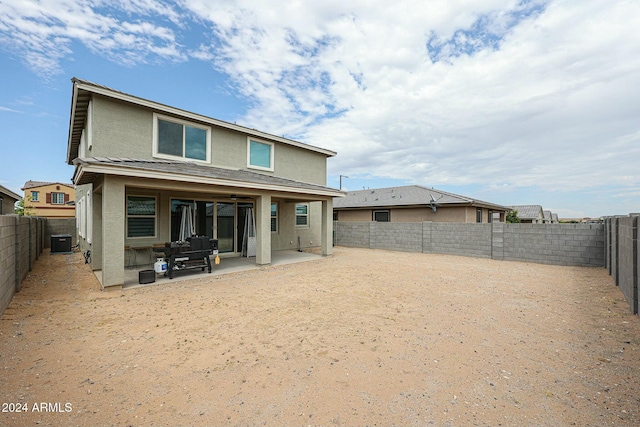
(88, 169)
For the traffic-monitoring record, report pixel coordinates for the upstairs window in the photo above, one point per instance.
(57, 198)
(260, 155)
(176, 138)
(479, 215)
(35, 196)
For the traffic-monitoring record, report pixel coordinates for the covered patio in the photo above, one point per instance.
(226, 266)
(131, 208)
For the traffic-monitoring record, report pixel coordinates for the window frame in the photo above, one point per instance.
(387, 211)
(271, 154)
(183, 123)
(306, 216)
(274, 217)
(56, 195)
(154, 216)
(479, 215)
(37, 196)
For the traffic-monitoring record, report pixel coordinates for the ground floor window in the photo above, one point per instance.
(141, 216)
(302, 215)
(382, 216)
(274, 217)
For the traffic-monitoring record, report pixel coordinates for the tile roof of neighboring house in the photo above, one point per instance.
(82, 90)
(34, 184)
(5, 190)
(554, 217)
(87, 168)
(528, 211)
(547, 215)
(406, 196)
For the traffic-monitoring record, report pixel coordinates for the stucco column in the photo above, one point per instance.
(113, 230)
(263, 229)
(327, 227)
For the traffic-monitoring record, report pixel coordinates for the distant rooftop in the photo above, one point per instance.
(409, 195)
(34, 184)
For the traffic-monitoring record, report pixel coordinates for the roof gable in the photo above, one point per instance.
(83, 90)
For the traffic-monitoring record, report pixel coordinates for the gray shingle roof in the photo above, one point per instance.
(528, 211)
(409, 195)
(175, 167)
(6, 191)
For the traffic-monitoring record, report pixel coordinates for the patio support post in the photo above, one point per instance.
(113, 231)
(263, 229)
(327, 227)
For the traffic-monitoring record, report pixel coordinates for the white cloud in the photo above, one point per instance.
(531, 93)
(498, 93)
(43, 33)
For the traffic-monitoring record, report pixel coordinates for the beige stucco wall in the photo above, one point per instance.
(442, 214)
(120, 129)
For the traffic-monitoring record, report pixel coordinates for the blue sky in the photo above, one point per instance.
(513, 102)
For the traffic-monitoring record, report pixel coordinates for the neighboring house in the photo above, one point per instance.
(8, 200)
(529, 214)
(138, 162)
(547, 217)
(554, 218)
(414, 203)
(49, 199)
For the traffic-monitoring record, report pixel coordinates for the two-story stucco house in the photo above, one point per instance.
(138, 162)
(49, 199)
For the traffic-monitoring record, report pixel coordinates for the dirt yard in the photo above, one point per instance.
(365, 337)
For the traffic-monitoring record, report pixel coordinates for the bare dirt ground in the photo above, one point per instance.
(365, 337)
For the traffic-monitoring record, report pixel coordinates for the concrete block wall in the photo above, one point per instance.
(60, 226)
(623, 256)
(22, 240)
(396, 236)
(461, 239)
(560, 244)
(352, 234)
(7, 259)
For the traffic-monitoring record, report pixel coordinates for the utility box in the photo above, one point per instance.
(61, 244)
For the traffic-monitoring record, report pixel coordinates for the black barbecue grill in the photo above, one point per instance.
(190, 254)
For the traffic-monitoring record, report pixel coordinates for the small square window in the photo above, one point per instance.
(381, 216)
(260, 155)
(34, 196)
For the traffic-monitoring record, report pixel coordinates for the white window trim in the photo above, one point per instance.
(56, 193)
(89, 137)
(126, 212)
(271, 154)
(157, 154)
(80, 213)
(89, 218)
(307, 225)
(37, 198)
